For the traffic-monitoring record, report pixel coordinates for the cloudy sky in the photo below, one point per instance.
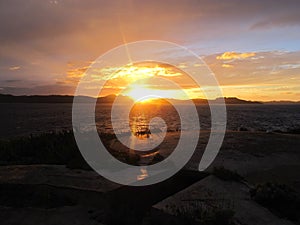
(253, 47)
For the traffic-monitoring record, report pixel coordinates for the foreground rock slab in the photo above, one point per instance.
(213, 193)
(77, 215)
(57, 176)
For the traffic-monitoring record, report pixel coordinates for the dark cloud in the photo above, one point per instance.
(28, 20)
(12, 81)
(41, 37)
(292, 19)
(39, 90)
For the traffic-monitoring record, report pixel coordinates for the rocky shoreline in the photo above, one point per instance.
(55, 194)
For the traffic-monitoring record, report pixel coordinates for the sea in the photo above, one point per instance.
(24, 119)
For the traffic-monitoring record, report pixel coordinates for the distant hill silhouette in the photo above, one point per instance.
(281, 102)
(5, 98)
(228, 101)
(234, 100)
(109, 99)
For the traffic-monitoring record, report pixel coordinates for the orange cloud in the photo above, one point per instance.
(13, 68)
(235, 55)
(75, 71)
(227, 66)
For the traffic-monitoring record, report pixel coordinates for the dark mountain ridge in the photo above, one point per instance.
(109, 99)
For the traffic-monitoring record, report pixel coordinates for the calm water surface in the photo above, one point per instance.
(20, 119)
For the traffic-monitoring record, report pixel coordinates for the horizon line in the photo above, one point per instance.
(225, 97)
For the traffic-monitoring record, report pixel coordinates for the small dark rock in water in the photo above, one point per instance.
(157, 158)
(243, 129)
(294, 131)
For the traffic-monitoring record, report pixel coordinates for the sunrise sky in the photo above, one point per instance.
(253, 47)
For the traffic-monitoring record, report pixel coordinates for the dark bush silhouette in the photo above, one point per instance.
(279, 198)
(227, 175)
(48, 148)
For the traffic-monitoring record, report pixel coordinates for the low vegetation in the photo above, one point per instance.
(49, 148)
(279, 198)
(199, 212)
(226, 174)
(57, 148)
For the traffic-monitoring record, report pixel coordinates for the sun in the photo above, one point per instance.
(140, 93)
(149, 81)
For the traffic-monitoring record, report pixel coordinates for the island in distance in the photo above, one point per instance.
(109, 99)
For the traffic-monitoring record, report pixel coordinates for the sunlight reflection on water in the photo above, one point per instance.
(143, 175)
(23, 119)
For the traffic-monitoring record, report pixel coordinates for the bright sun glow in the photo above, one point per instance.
(139, 93)
(142, 93)
(145, 82)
